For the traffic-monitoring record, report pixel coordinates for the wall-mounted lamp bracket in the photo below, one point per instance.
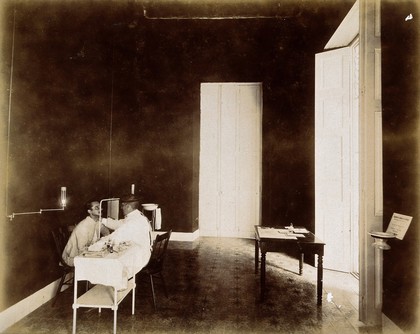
(63, 201)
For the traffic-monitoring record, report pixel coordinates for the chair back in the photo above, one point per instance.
(159, 251)
(60, 236)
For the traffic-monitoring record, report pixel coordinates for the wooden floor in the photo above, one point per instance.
(213, 289)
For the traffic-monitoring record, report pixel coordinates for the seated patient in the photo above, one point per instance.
(84, 234)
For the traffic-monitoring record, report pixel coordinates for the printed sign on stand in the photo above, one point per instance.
(399, 225)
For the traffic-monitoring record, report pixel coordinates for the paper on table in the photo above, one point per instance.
(282, 230)
(275, 233)
(300, 230)
(93, 254)
(297, 232)
(286, 236)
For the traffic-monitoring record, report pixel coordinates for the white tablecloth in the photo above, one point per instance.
(112, 269)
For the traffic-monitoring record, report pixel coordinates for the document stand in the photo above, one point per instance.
(102, 296)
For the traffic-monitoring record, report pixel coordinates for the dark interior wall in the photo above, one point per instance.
(104, 97)
(401, 159)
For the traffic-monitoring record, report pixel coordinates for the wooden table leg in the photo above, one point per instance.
(320, 280)
(301, 263)
(262, 292)
(256, 256)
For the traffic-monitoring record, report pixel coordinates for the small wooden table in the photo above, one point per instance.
(268, 239)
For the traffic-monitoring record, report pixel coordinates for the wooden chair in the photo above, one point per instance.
(154, 267)
(60, 236)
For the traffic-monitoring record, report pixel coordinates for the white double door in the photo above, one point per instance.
(337, 157)
(230, 159)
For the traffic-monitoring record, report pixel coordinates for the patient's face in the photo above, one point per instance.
(94, 210)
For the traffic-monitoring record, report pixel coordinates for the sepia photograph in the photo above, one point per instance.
(209, 166)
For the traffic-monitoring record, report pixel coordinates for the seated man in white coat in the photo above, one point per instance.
(134, 228)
